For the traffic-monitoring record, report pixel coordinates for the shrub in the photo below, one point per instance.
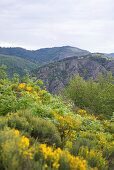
(3, 122)
(14, 150)
(42, 111)
(45, 131)
(67, 126)
(18, 122)
(94, 158)
(59, 159)
(82, 142)
(108, 150)
(97, 97)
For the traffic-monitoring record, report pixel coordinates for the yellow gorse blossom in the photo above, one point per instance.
(16, 132)
(82, 111)
(69, 144)
(46, 165)
(28, 88)
(55, 155)
(24, 142)
(28, 154)
(93, 154)
(67, 125)
(22, 85)
(14, 146)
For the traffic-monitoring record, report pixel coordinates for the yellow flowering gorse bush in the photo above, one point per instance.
(39, 131)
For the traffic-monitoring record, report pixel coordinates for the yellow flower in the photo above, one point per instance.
(25, 153)
(46, 165)
(69, 144)
(22, 85)
(38, 97)
(56, 165)
(35, 92)
(28, 88)
(16, 132)
(81, 111)
(24, 142)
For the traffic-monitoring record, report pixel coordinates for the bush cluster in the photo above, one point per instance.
(96, 97)
(39, 131)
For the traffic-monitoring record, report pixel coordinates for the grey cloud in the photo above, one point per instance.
(88, 24)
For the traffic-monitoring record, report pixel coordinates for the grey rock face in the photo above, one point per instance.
(57, 75)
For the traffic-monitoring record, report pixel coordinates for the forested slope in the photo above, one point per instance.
(16, 65)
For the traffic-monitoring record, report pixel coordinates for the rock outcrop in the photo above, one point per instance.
(57, 75)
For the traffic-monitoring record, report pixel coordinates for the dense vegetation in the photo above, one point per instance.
(94, 97)
(39, 131)
(16, 65)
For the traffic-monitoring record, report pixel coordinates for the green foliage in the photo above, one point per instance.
(82, 141)
(42, 130)
(19, 122)
(94, 158)
(13, 97)
(45, 131)
(40, 82)
(112, 118)
(16, 65)
(39, 131)
(3, 75)
(42, 111)
(97, 97)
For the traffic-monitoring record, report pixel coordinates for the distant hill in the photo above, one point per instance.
(56, 75)
(110, 55)
(44, 55)
(16, 65)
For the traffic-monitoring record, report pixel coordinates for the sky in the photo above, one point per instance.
(34, 24)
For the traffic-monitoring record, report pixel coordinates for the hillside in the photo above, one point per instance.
(57, 75)
(49, 55)
(16, 65)
(44, 55)
(41, 132)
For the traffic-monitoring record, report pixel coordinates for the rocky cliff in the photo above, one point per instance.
(57, 75)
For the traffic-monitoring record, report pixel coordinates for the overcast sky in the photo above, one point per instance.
(34, 24)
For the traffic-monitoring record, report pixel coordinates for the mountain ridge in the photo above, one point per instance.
(44, 55)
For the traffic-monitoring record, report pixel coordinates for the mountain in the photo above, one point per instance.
(44, 55)
(56, 75)
(49, 55)
(16, 65)
(111, 55)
